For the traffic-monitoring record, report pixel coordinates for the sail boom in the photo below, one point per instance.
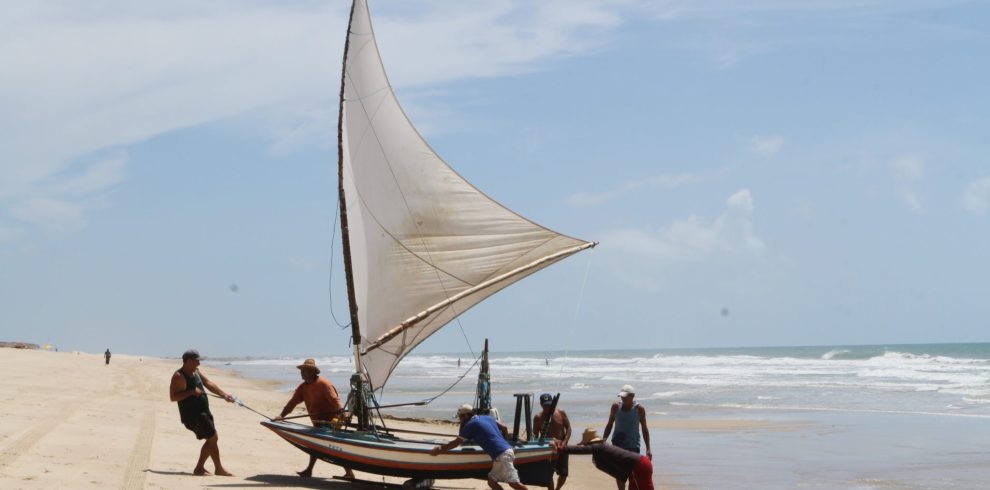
(415, 319)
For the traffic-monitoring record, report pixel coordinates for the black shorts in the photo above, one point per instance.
(202, 425)
(561, 466)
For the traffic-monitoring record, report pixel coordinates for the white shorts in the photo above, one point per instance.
(502, 468)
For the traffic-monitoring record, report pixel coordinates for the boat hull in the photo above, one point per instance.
(409, 458)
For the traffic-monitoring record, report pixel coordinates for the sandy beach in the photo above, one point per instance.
(73, 422)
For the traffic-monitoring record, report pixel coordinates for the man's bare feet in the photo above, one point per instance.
(201, 472)
(305, 473)
(348, 475)
(223, 472)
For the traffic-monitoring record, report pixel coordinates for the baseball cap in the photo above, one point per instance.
(546, 399)
(626, 391)
(190, 354)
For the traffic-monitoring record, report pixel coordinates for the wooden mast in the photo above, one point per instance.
(358, 399)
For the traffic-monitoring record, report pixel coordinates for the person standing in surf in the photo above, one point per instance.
(188, 388)
(322, 403)
(628, 418)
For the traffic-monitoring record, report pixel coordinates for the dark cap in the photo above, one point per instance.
(546, 399)
(190, 354)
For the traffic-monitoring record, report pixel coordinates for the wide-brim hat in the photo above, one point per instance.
(626, 391)
(309, 364)
(590, 436)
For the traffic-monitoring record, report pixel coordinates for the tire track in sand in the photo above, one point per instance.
(137, 466)
(26, 440)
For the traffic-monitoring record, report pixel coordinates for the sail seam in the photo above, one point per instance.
(429, 312)
(506, 266)
(426, 260)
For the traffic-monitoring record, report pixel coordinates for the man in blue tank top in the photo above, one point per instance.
(490, 435)
(628, 417)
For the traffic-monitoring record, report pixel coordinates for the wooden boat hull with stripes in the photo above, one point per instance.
(410, 458)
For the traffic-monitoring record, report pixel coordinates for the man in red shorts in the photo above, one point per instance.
(621, 464)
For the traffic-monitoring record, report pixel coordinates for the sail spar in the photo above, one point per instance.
(425, 245)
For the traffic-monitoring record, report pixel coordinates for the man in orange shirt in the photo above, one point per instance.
(322, 403)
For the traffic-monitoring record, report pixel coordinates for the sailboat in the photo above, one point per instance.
(421, 245)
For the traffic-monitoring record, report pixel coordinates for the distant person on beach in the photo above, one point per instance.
(628, 417)
(106, 355)
(623, 465)
(189, 387)
(322, 404)
(491, 435)
(560, 430)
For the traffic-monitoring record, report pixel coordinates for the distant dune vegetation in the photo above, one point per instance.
(19, 345)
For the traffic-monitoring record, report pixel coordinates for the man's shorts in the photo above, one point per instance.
(502, 468)
(561, 466)
(641, 477)
(202, 426)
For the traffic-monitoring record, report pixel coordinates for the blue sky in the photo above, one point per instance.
(779, 173)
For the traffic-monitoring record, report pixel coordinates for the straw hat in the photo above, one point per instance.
(626, 391)
(309, 364)
(590, 436)
(465, 409)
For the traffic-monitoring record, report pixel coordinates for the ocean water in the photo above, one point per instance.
(863, 417)
(939, 379)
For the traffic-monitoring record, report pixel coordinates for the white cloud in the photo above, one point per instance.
(57, 204)
(766, 146)
(664, 181)
(51, 215)
(976, 196)
(81, 77)
(907, 172)
(694, 238)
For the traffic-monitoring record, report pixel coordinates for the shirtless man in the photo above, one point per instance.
(189, 387)
(628, 417)
(560, 430)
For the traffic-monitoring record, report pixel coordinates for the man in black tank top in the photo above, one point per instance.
(188, 387)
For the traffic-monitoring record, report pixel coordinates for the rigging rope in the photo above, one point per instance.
(577, 307)
(241, 404)
(444, 392)
(333, 240)
(427, 401)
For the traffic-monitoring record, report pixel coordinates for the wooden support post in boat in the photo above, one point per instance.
(523, 401)
(529, 417)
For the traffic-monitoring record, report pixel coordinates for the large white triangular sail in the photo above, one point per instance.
(425, 245)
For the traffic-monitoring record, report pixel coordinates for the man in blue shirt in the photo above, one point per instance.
(490, 435)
